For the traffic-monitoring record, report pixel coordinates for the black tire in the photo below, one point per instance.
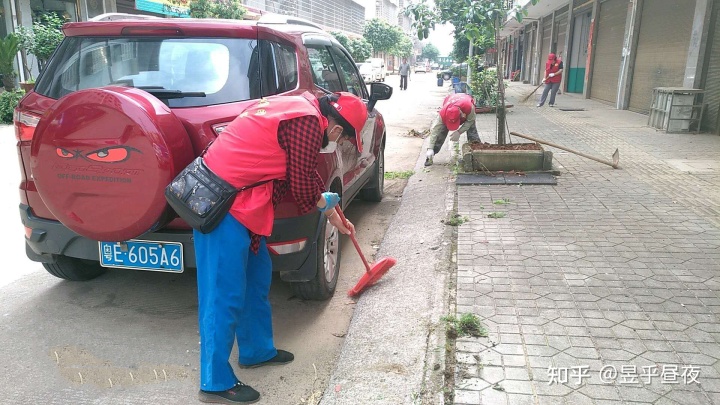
(374, 190)
(322, 286)
(70, 268)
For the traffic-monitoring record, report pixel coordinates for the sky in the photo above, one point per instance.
(442, 38)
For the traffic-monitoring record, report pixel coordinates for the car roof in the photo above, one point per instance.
(116, 24)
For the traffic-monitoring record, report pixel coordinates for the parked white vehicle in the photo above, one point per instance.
(366, 71)
(378, 67)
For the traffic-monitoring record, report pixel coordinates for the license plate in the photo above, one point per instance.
(142, 255)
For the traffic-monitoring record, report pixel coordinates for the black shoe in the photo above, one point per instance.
(428, 161)
(239, 394)
(282, 357)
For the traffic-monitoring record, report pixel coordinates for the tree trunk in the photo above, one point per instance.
(500, 108)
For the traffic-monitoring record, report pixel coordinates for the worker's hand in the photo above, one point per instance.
(328, 201)
(345, 228)
(543, 81)
(430, 153)
(551, 75)
(455, 136)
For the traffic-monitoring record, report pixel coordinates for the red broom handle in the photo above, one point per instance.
(354, 241)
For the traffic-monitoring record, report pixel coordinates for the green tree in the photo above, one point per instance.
(404, 47)
(381, 35)
(478, 21)
(226, 9)
(342, 38)
(360, 49)
(42, 40)
(430, 52)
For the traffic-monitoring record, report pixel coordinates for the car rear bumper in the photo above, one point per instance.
(49, 239)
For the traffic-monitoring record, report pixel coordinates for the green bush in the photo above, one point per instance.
(8, 101)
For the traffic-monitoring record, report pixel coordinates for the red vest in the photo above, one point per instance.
(553, 68)
(248, 151)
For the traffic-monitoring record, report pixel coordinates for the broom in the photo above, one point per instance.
(527, 97)
(372, 273)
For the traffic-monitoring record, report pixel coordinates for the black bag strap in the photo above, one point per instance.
(259, 183)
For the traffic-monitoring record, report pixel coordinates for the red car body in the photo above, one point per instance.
(95, 159)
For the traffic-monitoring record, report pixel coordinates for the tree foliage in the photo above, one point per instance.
(226, 9)
(430, 52)
(404, 47)
(42, 40)
(359, 48)
(381, 35)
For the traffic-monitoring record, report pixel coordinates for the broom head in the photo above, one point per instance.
(377, 270)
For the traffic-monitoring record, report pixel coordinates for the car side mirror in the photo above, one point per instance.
(378, 91)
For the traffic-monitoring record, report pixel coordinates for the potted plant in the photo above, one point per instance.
(8, 50)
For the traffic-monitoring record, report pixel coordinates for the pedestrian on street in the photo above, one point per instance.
(553, 76)
(456, 114)
(404, 74)
(275, 140)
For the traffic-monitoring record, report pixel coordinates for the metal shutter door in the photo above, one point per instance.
(561, 21)
(608, 50)
(712, 80)
(663, 42)
(545, 48)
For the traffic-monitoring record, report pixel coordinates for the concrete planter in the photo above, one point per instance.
(505, 160)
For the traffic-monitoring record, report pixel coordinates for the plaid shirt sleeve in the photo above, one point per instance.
(301, 138)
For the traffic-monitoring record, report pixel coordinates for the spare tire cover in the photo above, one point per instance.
(101, 159)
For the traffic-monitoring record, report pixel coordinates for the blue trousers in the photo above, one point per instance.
(233, 286)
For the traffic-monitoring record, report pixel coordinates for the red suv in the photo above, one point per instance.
(126, 103)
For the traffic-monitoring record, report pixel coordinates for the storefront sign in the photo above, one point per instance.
(166, 7)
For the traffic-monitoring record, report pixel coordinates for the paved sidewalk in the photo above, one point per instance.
(604, 289)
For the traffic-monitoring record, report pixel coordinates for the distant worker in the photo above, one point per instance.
(404, 73)
(457, 114)
(553, 77)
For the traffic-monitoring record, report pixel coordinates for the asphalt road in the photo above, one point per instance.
(130, 337)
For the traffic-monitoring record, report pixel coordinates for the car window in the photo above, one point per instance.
(219, 67)
(324, 71)
(287, 68)
(349, 74)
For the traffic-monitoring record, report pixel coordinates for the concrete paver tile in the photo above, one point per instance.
(608, 267)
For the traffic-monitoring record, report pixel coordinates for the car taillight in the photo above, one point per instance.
(25, 125)
(283, 248)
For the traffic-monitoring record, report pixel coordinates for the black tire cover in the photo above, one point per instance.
(101, 159)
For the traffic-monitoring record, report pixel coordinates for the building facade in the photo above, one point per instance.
(618, 51)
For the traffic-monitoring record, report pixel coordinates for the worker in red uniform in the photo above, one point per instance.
(456, 114)
(277, 140)
(553, 77)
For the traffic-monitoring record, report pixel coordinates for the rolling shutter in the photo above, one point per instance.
(712, 80)
(545, 48)
(663, 42)
(608, 50)
(561, 21)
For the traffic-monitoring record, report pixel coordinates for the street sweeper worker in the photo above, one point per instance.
(553, 77)
(278, 140)
(456, 114)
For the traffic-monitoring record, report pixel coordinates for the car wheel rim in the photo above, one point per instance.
(332, 238)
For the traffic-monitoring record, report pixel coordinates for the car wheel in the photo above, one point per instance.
(70, 268)
(374, 190)
(322, 286)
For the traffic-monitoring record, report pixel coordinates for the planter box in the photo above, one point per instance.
(494, 160)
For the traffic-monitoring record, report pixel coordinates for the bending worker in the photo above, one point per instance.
(275, 139)
(456, 114)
